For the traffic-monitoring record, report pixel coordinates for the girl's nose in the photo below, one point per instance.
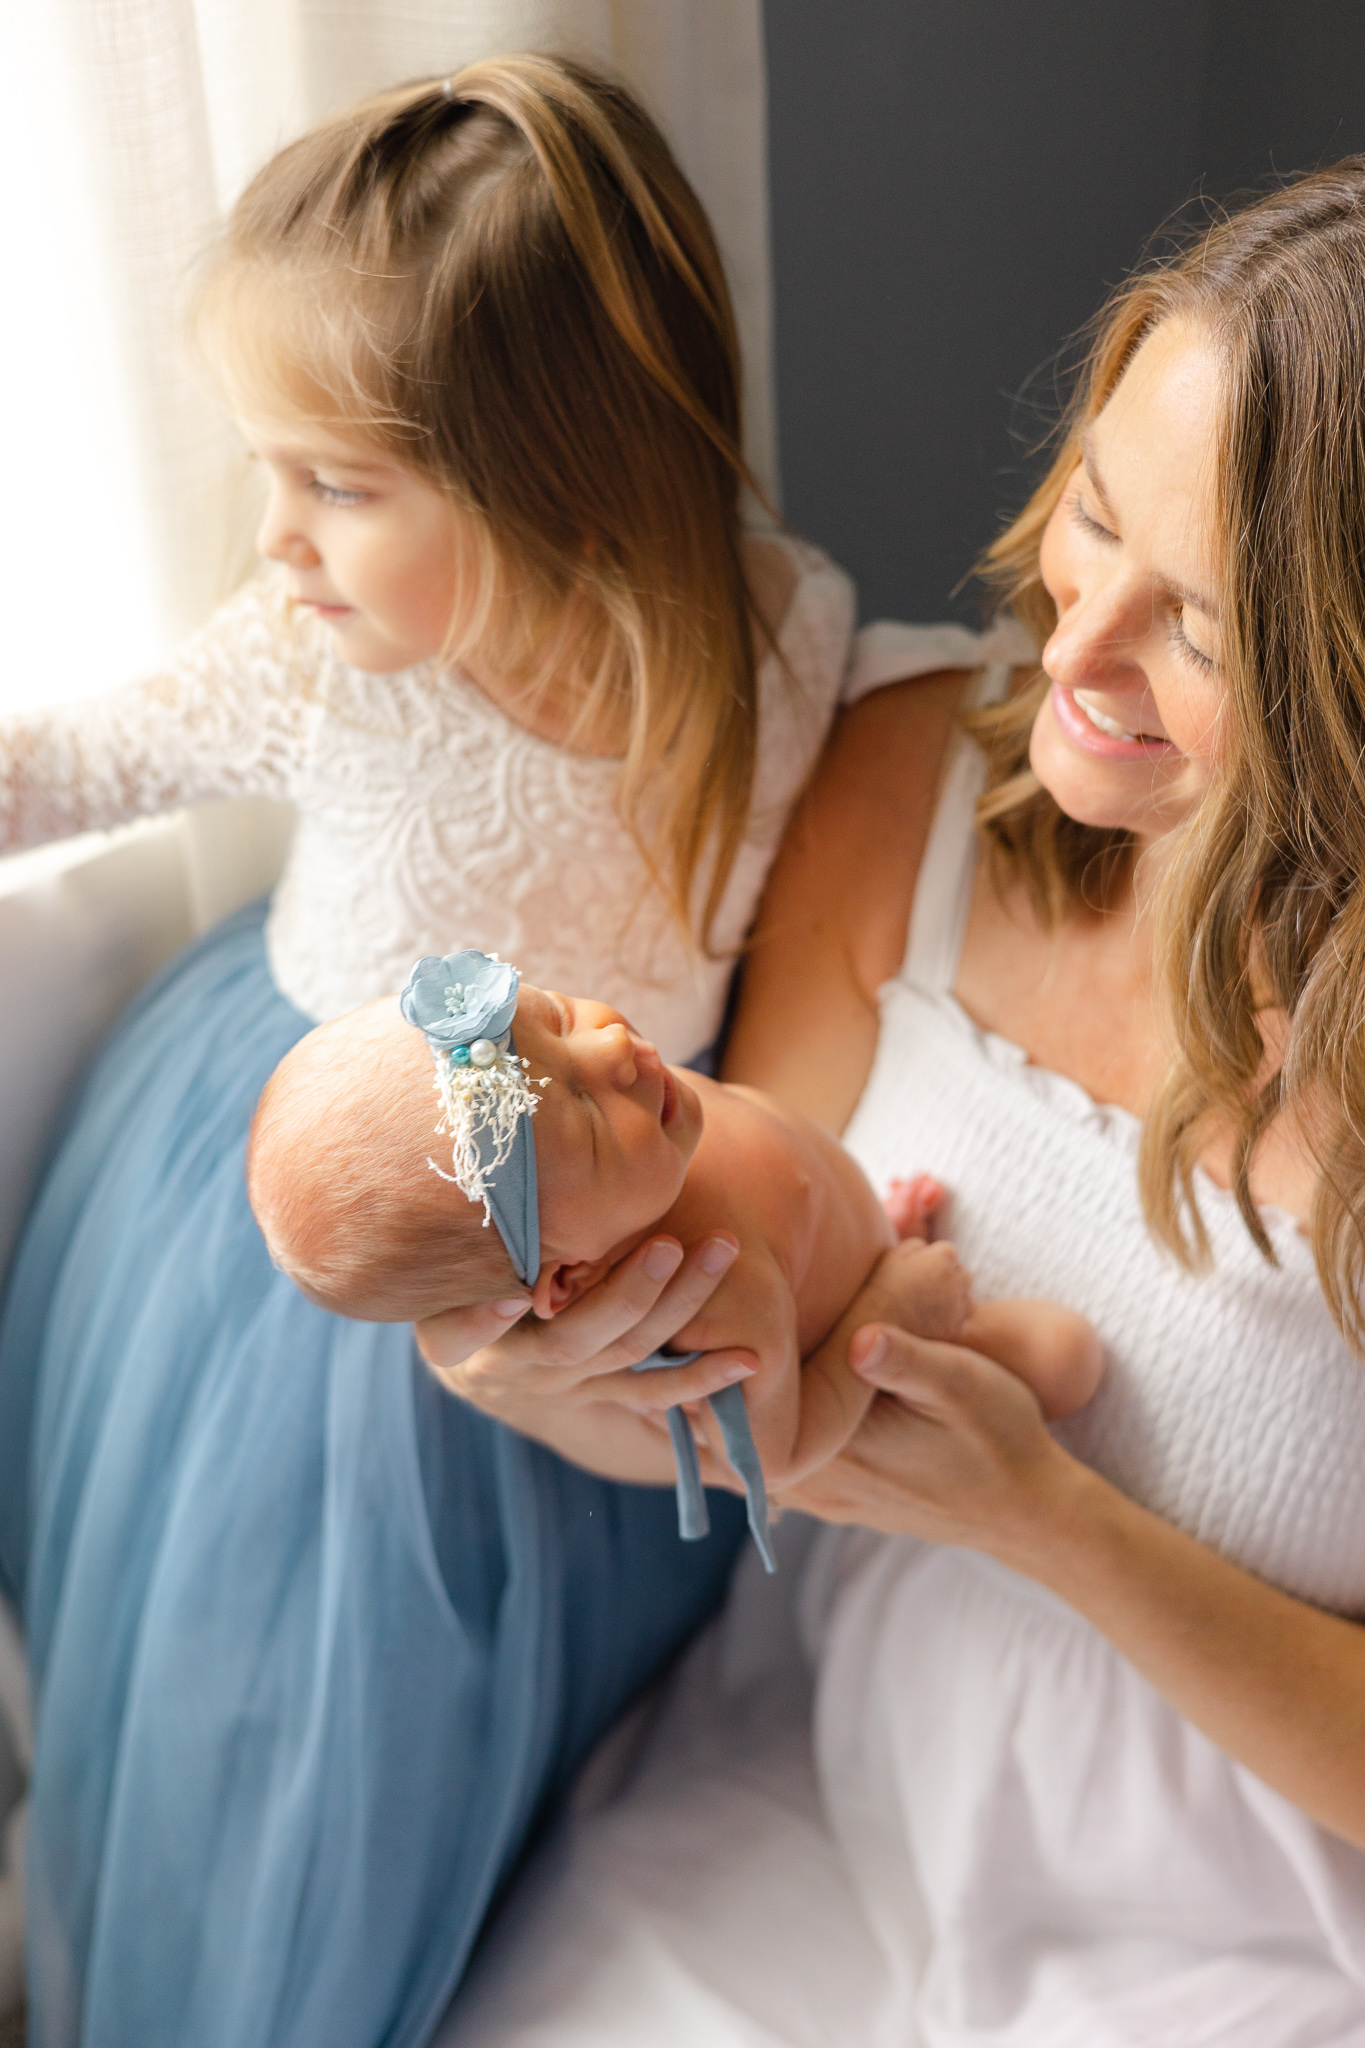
(279, 538)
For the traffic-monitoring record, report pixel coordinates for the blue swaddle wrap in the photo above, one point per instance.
(464, 1005)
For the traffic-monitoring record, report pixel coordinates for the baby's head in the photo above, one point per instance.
(350, 1207)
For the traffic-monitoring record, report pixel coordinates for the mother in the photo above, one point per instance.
(1135, 1028)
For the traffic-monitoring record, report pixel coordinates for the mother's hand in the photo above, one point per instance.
(568, 1381)
(953, 1449)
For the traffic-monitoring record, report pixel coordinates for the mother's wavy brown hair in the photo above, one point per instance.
(1262, 908)
(505, 280)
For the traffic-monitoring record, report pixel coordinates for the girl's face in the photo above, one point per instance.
(373, 548)
(1128, 733)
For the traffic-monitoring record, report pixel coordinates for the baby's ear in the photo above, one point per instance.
(557, 1286)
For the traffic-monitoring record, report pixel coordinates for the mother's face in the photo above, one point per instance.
(1132, 559)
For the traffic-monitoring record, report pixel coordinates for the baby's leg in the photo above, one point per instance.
(922, 1288)
(1052, 1349)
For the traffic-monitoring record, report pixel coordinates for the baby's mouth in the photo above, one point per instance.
(668, 1108)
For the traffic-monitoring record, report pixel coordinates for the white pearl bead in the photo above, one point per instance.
(483, 1053)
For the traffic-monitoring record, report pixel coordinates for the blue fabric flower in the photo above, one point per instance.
(461, 998)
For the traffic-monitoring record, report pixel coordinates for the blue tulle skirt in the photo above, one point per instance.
(314, 1645)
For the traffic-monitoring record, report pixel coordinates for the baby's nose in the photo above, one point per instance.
(647, 1059)
(613, 1054)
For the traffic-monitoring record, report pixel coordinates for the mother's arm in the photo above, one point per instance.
(955, 1451)
(833, 923)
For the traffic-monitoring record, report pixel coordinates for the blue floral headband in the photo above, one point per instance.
(464, 1006)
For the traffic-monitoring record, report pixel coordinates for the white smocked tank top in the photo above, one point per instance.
(1230, 1404)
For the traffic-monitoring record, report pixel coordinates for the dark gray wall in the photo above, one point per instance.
(954, 183)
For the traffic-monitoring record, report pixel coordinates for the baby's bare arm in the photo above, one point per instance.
(807, 1220)
(810, 1230)
(810, 1198)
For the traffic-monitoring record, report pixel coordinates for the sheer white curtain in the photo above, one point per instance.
(130, 125)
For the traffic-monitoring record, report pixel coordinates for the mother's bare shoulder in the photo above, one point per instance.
(852, 853)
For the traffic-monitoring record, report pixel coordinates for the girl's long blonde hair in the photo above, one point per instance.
(1262, 908)
(505, 280)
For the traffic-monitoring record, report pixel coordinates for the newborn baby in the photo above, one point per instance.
(369, 1224)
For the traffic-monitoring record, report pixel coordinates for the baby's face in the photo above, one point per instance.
(614, 1130)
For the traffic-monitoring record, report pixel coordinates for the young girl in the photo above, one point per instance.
(312, 1643)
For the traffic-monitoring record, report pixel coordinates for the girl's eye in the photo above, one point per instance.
(333, 494)
(1187, 650)
(1086, 523)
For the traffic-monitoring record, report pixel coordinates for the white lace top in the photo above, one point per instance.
(427, 819)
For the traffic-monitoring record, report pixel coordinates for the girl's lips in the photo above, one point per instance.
(669, 1108)
(1083, 733)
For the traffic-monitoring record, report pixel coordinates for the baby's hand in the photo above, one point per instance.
(915, 1206)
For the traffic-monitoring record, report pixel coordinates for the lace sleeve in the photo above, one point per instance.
(229, 717)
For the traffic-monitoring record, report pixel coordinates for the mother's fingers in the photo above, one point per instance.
(664, 1387)
(953, 1448)
(445, 1341)
(634, 1311)
(943, 1383)
(655, 1317)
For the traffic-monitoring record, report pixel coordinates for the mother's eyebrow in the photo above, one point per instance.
(1184, 593)
(1092, 470)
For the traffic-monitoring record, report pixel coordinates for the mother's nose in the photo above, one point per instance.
(1094, 645)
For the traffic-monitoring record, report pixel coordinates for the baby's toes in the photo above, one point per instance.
(913, 1205)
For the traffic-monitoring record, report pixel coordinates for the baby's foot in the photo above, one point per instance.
(933, 1290)
(914, 1205)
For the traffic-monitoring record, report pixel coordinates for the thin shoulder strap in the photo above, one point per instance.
(943, 890)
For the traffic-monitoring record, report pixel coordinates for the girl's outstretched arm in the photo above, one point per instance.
(230, 716)
(955, 1451)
